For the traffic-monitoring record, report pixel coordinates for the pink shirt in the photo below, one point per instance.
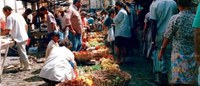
(73, 18)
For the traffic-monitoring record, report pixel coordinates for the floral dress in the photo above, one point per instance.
(184, 67)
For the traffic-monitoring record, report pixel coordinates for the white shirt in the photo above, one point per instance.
(57, 66)
(49, 47)
(64, 24)
(16, 24)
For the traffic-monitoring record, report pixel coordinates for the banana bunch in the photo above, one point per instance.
(86, 79)
(108, 64)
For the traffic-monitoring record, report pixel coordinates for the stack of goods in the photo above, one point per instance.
(107, 73)
(111, 78)
(95, 48)
(83, 56)
(110, 75)
(79, 81)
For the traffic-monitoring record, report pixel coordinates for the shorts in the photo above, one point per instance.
(122, 41)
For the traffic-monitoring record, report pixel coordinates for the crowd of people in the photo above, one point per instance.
(168, 37)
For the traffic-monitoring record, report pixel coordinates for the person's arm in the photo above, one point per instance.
(68, 22)
(168, 35)
(53, 25)
(118, 18)
(197, 44)
(26, 27)
(163, 47)
(8, 26)
(5, 32)
(153, 27)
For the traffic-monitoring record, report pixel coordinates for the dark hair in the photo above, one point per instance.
(28, 11)
(111, 11)
(121, 4)
(43, 8)
(75, 1)
(54, 33)
(104, 12)
(184, 3)
(7, 8)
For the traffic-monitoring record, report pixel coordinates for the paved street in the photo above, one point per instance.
(139, 67)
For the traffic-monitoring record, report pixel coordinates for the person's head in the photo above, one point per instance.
(77, 3)
(111, 13)
(28, 11)
(7, 10)
(43, 10)
(66, 42)
(69, 2)
(119, 5)
(62, 10)
(104, 12)
(55, 36)
(184, 4)
(83, 14)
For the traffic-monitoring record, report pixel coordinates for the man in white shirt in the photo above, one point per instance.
(17, 27)
(62, 17)
(59, 66)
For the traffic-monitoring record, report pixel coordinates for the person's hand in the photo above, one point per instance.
(154, 47)
(73, 32)
(160, 54)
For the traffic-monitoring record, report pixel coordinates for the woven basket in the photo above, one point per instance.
(111, 78)
(83, 57)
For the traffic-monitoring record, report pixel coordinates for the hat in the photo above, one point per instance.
(69, 2)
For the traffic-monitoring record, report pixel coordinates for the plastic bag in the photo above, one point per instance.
(111, 36)
(156, 62)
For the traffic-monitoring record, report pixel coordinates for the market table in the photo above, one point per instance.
(5, 43)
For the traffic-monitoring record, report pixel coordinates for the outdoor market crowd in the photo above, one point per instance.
(170, 37)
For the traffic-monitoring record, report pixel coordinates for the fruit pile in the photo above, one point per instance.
(83, 56)
(108, 64)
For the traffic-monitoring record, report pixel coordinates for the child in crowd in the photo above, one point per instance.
(53, 43)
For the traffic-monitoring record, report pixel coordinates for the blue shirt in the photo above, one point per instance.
(196, 22)
(121, 22)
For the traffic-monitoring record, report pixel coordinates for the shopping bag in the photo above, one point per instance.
(111, 36)
(157, 68)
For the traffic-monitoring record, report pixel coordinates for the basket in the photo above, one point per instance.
(83, 56)
(101, 52)
(111, 78)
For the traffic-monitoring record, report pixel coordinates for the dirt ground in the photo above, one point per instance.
(139, 67)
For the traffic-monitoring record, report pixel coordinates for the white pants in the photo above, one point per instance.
(21, 49)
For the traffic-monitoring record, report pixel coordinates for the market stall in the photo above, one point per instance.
(103, 71)
(5, 43)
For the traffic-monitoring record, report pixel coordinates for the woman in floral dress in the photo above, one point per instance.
(180, 31)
